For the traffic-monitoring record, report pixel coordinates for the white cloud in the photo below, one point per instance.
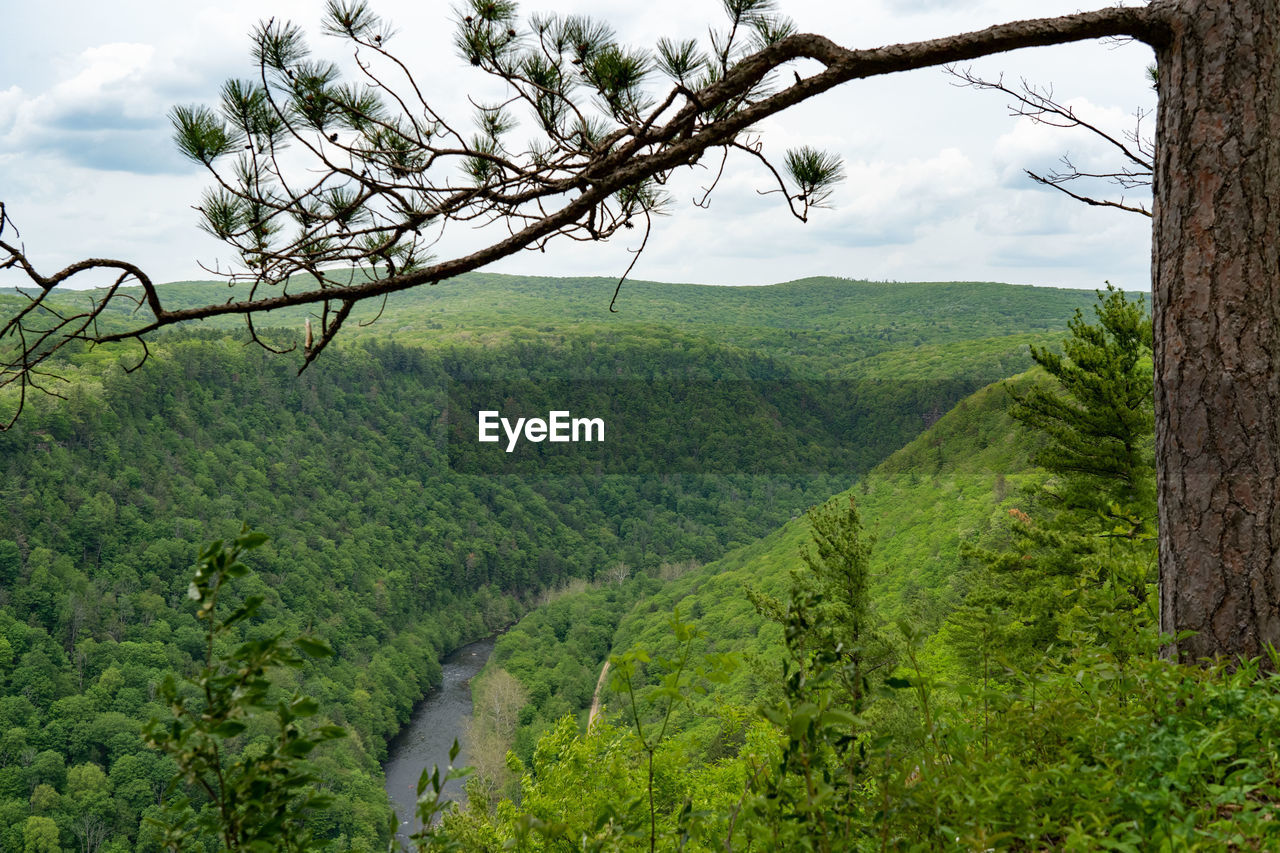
(108, 115)
(109, 71)
(11, 100)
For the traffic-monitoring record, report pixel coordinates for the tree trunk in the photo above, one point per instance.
(1216, 300)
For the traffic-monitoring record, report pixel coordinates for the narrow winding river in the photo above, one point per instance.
(436, 723)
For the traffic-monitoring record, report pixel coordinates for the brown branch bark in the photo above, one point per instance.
(1083, 199)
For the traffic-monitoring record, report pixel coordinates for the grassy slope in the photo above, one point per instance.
(952, 484)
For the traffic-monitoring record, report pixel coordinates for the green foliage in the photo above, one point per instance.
(432, 804)
(1089, 542)
(1036, 716)
(384, 548)
(1098, 420)
(40, 835)
(804, 798)
(1094, 754)
(556, 651)
(827, 616)
(613, 789)
(255, 797)
(817, 326)
(815, 174)
(202, 135)
(662, 700)
(678, 60)
(1088, 747)
(378, 544)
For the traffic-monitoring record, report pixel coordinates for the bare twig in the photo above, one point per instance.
(1040, 105)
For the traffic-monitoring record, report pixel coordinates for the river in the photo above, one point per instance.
(436, 723)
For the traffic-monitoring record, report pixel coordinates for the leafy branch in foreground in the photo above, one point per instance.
(1083, 564)
(432, 805)
(1098, 417)
(667, 695)
(255, 798)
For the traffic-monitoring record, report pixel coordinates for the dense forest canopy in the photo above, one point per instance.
(378, 544)
(986, 676)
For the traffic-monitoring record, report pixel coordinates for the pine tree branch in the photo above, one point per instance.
(575, 191)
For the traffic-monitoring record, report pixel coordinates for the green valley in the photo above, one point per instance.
(363, 546)
(384, 546)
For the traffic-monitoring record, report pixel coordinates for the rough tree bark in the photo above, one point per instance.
(1216, 300)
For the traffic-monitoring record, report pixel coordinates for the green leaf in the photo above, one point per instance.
(250, 539)
(776, 716)
(229, 728)
(838, 717)
(315, 647)
(299, 748)
(250, 606)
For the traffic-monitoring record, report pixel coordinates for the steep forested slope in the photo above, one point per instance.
(986, 676)
(954, 484)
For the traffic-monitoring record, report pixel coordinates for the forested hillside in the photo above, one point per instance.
(959, 652)
(953, 484)
(836, 566)
(382, 543)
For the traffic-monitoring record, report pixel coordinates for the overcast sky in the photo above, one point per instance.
(936, 189)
